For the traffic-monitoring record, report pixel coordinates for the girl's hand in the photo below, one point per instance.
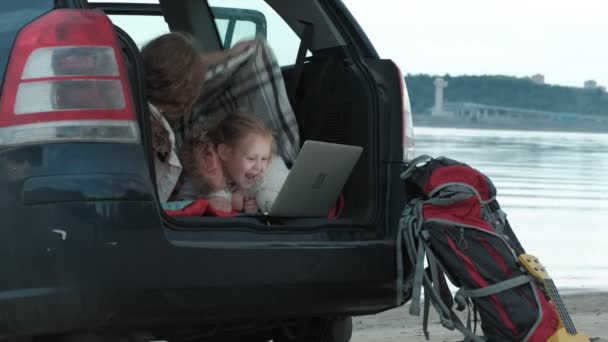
(250, 206)
(238, 200)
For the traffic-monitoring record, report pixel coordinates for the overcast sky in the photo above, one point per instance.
(566, 41)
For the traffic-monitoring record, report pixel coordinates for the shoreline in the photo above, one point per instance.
(424, 121)
(589, 312)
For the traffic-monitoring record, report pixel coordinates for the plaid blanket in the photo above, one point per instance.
(252, 82)
(199, 207)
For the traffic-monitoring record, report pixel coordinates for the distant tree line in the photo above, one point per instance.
(506, 91)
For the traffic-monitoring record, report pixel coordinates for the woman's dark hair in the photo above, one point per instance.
(175, 73)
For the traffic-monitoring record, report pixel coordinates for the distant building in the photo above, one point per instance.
(590, 84)
(440, 83)
(538, 79)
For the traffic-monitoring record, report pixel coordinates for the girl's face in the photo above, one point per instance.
(247, 160)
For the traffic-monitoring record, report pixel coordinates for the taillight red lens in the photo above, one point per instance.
(71, 61)
(409, 148)
(66, 70)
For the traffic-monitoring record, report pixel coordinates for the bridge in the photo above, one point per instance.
(477, 112)
(500, 115)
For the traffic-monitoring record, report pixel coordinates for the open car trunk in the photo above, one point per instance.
(341, 97)
(335, 104)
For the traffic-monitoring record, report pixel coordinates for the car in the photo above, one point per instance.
(85, 247)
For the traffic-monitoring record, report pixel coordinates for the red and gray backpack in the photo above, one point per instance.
(453, 221)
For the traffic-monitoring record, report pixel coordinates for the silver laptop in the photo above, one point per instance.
(315, 180)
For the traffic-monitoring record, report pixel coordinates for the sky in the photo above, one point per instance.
(566, 41)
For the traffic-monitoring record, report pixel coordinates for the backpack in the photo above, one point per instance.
(453, 221)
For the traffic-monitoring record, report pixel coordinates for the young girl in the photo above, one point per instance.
(225, 163)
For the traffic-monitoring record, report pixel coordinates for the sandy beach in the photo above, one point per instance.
(589, 311)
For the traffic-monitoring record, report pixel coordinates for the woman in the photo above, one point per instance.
(175, 72)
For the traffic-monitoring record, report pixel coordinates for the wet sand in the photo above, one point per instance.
(589, 311)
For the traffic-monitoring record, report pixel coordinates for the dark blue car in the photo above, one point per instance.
(85, 247)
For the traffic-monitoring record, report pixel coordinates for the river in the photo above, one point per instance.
(553, 187)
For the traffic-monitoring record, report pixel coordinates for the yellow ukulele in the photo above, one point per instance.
(566, 331)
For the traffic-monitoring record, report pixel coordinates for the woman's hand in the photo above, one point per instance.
(220, 203)
(241, 46)
(160, 140)
(212, 170)
(218, 57)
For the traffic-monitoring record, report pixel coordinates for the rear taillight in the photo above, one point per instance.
(66, 81)
(409, 149)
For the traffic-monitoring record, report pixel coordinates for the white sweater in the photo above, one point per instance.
(270, 185)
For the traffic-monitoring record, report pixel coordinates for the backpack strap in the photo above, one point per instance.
(461, 188)
(495, 288)
(418, 279)
(449, 319)
(469, 336)
(421, 279)
(402, 235)
(415, 163)
(417, 246)
(425, 317)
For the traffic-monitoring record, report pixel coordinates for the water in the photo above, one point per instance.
(553, 187)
